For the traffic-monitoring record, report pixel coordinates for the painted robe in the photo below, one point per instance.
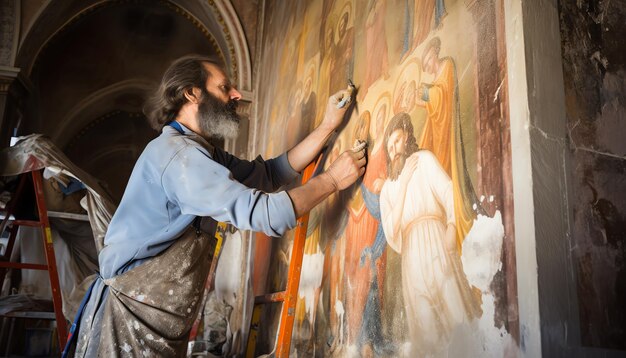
(361, 234)
(375, 44)
(436, 294)
(440, 136)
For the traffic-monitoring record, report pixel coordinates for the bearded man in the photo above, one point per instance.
(417, 212)
(154, 263)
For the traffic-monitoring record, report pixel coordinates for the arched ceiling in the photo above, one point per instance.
(92, 63)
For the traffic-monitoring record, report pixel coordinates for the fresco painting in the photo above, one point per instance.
(403, 263)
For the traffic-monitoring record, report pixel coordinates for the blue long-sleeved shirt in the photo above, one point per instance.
(179, 177)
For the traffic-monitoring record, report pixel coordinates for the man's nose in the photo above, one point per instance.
(234, 94)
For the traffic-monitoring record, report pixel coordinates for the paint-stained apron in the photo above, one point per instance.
(149, 310)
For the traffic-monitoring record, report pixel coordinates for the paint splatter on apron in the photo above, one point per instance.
(149, 310)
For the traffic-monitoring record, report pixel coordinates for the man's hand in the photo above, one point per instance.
(334, 116)
(342, 173)
(350, 165)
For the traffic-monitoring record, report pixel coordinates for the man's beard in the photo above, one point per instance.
(397, 164)
(218, 119)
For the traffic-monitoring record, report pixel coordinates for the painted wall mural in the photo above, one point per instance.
(417, 258)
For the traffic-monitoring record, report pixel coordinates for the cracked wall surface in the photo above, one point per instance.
(593, 35)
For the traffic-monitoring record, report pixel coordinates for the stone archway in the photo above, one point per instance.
(89, 59)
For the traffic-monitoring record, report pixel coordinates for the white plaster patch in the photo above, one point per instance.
(150, 336)
(482, 250)
(126, 347)
(170, 292)
(136, 325)
(311, 280)
(141, 298)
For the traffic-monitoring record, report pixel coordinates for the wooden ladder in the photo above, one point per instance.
(46, 236)
(289, 297)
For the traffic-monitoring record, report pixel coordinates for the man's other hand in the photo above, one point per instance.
(350, 165)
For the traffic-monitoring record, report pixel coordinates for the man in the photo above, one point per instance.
(417, 212)
(153, 265)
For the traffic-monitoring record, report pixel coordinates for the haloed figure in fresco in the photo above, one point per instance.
(416, 204)
(438, 100)
(442, 133)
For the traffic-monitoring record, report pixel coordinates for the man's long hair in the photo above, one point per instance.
(183, 74)
(400, 121)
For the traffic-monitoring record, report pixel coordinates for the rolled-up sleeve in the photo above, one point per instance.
(266, 175)
(200, 186)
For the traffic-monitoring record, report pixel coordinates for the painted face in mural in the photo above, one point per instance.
(408, 97)
(307, 87)
(430, 57)
(380, 120)
(396, 148)
(343, 25)
(329, 39)
(400, 143)
(362, 127)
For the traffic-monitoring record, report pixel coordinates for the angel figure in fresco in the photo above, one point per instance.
(375, 45)
(417, 211)
(442, 134)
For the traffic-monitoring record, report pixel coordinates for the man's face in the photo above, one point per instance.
(217, 110)
(219, 85)
(396, 148)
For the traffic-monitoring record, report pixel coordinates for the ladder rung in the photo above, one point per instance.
(27, 223)
(270, 298)
(19, 265)
(72, 216)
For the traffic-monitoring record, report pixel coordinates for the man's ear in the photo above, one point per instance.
(193, 95)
